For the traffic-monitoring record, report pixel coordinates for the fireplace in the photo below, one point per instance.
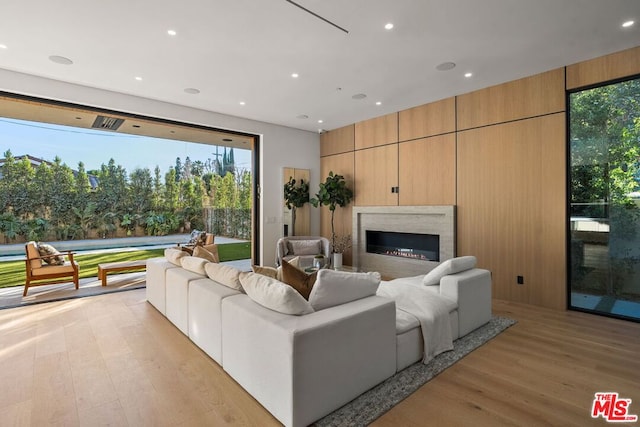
(423, 247)
(434, 226)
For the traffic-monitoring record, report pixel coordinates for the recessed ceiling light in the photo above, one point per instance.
(445, 66)
(320, 121)
(295, 75)
(628, 24)
(302, 116)
(378, 103)
(138, 78)
(135, 126)
(359, 96)
(78, 118)
(242, 103)
(3, 46)
(60, 60)
(388, 26)
(192, 91)
(467, 75)
(227, 139)
(171, 32)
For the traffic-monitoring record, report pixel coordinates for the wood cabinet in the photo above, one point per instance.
(528, 97)
(427, 171)
(376, 173)
(378, 131)
(337, 141)
(431, 119)
(614, 66)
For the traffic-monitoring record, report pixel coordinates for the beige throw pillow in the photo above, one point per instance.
(194, 264)
(450, 266)
(274, 295)
(266, 271)
(224, 274)
(174, 255)
(304, 247)
(339, 287)
(201, 252)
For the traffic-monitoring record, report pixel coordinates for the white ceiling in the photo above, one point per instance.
(246, 50)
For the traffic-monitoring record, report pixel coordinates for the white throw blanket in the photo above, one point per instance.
(431, 310)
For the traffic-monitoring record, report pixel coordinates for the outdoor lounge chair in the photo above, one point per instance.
(41, 273)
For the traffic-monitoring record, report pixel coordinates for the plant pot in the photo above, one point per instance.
(337, 261)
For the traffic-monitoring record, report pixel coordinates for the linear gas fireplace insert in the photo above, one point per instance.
(424, 247)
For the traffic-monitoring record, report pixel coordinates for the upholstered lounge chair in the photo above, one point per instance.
(41, 273)
(304, 247)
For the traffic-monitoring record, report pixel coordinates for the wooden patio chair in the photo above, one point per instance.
(41, 273)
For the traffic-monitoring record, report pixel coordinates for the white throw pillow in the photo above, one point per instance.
(194, 264)
(274, 295)
(224, 274)
(450, 266)
(340, 287)
(174, 255)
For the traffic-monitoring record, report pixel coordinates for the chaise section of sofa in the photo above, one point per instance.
(301, 368)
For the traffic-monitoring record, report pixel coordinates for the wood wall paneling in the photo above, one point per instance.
(528, 97)
(511, 215)
(378, 131)
(431, 119)
(337, 141)
(376, 171)
(605, 68)
(427, 171)
(342, 164)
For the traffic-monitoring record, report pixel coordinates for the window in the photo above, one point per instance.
(604, 192)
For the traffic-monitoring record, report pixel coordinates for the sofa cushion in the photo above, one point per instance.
(339, 287)
(201, 252)
(173, 255)
(224, 274)
(194, 264)
(46, 249)
(304, 247)
(274, 295)
(298, 279)
(450, 266)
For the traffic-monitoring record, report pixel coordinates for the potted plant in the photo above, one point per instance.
(295, 196)
(333, 193)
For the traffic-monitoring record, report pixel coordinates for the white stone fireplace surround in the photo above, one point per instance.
(437, 220)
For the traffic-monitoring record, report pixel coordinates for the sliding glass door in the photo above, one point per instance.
(604, 214)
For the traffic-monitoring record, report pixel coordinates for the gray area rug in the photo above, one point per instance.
(364, 409)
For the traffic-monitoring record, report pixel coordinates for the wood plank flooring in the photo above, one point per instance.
(114, 360)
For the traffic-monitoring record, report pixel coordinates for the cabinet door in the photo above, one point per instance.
(378, 131)
(427, 171)
(337, 141)
(376, 175)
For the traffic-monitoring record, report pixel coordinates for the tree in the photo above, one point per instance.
(295, 196)
(333, 193)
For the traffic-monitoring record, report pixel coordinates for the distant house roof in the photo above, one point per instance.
(35, 162)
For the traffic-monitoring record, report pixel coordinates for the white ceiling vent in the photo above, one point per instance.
(107, 123)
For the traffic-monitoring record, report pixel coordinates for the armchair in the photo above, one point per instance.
(305, 247)
(40, 273)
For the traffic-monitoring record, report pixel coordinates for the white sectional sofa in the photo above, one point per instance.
(300, 359)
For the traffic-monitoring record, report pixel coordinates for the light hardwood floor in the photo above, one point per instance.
(114, 360)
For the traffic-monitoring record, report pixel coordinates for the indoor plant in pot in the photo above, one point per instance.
(334, 192)
(295, 196)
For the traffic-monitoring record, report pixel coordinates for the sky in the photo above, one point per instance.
(93, 147)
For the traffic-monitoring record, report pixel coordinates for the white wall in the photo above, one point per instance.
(280, 146)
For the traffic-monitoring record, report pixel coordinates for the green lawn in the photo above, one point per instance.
(12, 272)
